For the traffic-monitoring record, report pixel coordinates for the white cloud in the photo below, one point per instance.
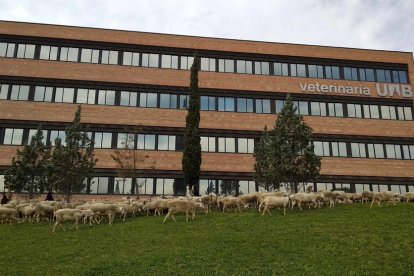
(382, 24)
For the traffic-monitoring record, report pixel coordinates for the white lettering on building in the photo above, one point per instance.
(336, 89)
(383, 90)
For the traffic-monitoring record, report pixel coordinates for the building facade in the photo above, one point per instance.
(358, 103)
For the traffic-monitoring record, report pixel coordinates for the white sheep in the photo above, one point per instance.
(182, 206)
(75, 215)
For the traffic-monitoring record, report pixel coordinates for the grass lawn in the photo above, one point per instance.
(348, 239)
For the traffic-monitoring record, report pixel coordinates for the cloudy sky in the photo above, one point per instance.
(373, 24)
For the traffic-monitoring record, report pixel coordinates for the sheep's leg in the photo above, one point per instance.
(284, 210)
(54, 227)
(372, 203)
(168, 214)
(300, 206)
(173, 218)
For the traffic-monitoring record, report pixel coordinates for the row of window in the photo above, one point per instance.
(108, 140)
(171, 186)
(129, 58)
(207, 103)
(364, 150)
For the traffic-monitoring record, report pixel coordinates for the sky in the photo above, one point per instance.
(368, 24)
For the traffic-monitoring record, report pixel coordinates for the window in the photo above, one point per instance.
(404, 113)
(166, 142)
(226, 65)
(7, 49)
(375, 151)
(43, 94)
(245, 105)
(86, 96)
(354, 110)
(225, 104)
(99, 185)
(186, 62)
(106, 97)
(125, 141)
(64, 95)
(245, 145)
(332, 72)
(350, 73)
(103, 140)
(298, 70)
(150, 60)
(321, 148)
(207, 64)
(32, 132)
(339, 149)
(302, 107)
(358, 150)
(168, 101)
(388, 112)
(168, 61)
(208, 144)
(244, 67)
(207, 186)
(165, 186)
(20, 92)
(128, 98)
(408, 151)
(90, 55)
(13, 136)
(393, 151)
(262, 106)
(315, 71)
(226, 144)
(145, 186)
(207, 103)
(370, 74)
(130, 59)
(57, 134)
(261, 68)
(4, 91)
(280, 69)
(246, 187)
(25, 51)
(146, 141)
(123, 186)
(279, 105)
(335, 110)
(48, 52)
(109, 57)
(68, 54)
(148, 99)
(183, 101)
(318, 109)
(402, 76)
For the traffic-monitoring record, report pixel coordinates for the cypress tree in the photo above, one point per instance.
(191, 161)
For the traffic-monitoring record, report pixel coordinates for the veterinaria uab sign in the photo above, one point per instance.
(381, 90)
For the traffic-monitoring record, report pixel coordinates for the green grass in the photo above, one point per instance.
(346, 240)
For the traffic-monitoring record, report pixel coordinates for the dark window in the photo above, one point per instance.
(244, 67)
(225, 104)
(208, 103)
(318, 108)
(148, 99)
(350, 73)
(315, 71)
(332, 72)
(370, 74)
(184, 101)
(244, 105)
(226, 65)
(279, 105)
(168, 101)
(262, 106)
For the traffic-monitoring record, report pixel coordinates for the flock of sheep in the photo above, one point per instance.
(95, 212)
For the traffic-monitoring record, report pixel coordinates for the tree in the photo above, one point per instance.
(263, 173)
(291, 154)
(74, 160)
(129, 162)
(191, 161)
(27, 167)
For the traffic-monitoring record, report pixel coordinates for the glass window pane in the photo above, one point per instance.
(221, 144)
(374, 111)
(315, 108)
(165, 101)
(229, 65)
(17, 136)
(153, 60)
(68, 95)
(163, 142)
(241, 66)
(8, 135)
(390, 151)
(73, 54)
(385, 112)
(318, 149)
(204, 143)
(266, 106)
(150, 141)
(241, 105)
(152, 100)
(408, 113)
(165, 61)
(301, 70)
(342, 149)
(242, 145)
(230, 145)
(4, 90)
(265, 68)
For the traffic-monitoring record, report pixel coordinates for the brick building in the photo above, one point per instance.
(358, 102)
